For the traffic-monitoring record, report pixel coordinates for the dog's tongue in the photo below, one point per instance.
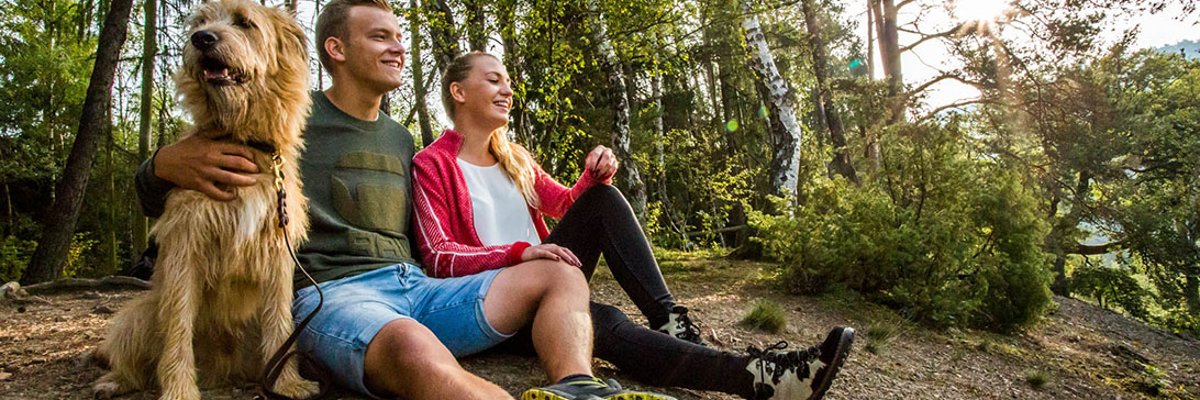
(211, 74)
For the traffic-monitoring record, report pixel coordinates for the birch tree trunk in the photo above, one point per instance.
(785, 131)
(94, 124)
(627, 174)
(149, 50)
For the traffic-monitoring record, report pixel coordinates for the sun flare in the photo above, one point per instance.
(980, 10)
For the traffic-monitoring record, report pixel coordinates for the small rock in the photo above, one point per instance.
(89, 295)
(102, 309)
(4, 376)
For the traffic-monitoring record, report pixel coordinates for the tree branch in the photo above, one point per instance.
(930, 36)
(935, 111)
(1094, 249)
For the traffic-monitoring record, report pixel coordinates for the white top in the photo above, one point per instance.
(501, 214)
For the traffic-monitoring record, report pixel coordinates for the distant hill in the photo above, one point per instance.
(1190, 48)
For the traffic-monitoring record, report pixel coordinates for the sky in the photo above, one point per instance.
(925, 62)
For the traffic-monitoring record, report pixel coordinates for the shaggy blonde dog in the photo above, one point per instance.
(222, 287)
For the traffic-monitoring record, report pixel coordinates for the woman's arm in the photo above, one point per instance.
(444, 253)
(556, 199)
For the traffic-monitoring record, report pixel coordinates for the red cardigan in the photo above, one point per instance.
(444, 222)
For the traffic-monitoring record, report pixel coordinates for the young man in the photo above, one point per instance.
(386, 329)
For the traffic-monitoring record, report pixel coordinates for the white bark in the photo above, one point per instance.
(628, 174)
(785, 131)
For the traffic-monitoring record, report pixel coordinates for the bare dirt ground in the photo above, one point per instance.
(1080, 351)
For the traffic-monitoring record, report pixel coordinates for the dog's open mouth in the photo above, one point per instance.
(218, 73)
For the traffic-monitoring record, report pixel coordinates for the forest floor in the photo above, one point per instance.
(1078, 351)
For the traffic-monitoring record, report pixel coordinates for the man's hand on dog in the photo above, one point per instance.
(209, 167)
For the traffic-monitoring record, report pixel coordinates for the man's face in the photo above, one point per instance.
(373, 48)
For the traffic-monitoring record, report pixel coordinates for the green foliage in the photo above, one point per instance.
(14, 255)
(1112, 285)
(767, 316)
(948, 238)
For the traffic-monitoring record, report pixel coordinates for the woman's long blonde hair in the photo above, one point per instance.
(514, 159)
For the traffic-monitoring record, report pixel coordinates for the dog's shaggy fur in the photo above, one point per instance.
(222, 287)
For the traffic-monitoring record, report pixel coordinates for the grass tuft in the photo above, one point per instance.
(881, 334)
(1037, 378)
(767, 316)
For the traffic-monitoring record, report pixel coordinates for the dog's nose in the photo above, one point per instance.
(204, 40)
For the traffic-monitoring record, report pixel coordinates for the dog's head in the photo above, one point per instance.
(244, 64)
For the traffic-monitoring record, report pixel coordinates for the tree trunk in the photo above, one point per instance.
(506, 14)
(785, 131)
(628, 175)
(889, 44)
(826, 112)
(477, 32)
(421, 94)
(1192, 293)
(442, 33)
(870, 39)
(94, 124)
(149, 51)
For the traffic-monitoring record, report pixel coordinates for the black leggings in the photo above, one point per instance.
(601, 222)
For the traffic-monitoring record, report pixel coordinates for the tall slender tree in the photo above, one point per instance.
(149, 51)
(827, 114)
(630, 177)
(785, 130)
(94, 124)
(420, 92)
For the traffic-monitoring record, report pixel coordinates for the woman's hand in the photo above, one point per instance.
(550, 252)
(601, 162)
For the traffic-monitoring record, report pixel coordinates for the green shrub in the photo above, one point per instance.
(766, 316)
(1112, 285)
(949, 239)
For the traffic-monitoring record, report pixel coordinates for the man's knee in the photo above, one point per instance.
(563, 276)
(399, 352)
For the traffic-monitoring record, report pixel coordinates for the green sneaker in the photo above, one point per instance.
(589, 389)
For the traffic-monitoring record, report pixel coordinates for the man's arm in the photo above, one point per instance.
(151, 190)
(194, 163)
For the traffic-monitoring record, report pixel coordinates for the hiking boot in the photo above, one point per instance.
(799, 375)
(589, 389)
(680, 326)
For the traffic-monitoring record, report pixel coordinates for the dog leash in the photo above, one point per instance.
(275, 366)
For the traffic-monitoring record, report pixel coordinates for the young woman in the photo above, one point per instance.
(479, 201)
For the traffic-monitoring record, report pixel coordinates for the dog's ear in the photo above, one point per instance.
(292, 41)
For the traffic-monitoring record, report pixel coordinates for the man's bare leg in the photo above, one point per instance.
(555, 296)
(407, 360)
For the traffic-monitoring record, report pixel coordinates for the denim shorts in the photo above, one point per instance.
(357, 307)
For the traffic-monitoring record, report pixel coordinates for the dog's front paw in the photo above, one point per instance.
(299, 388)
(108, 387)
(105, 389)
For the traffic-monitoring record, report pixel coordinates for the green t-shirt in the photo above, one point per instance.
(356, 177)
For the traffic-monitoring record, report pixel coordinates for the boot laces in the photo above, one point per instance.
(781, 361)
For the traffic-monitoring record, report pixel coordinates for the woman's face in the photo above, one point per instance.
(485, 95)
